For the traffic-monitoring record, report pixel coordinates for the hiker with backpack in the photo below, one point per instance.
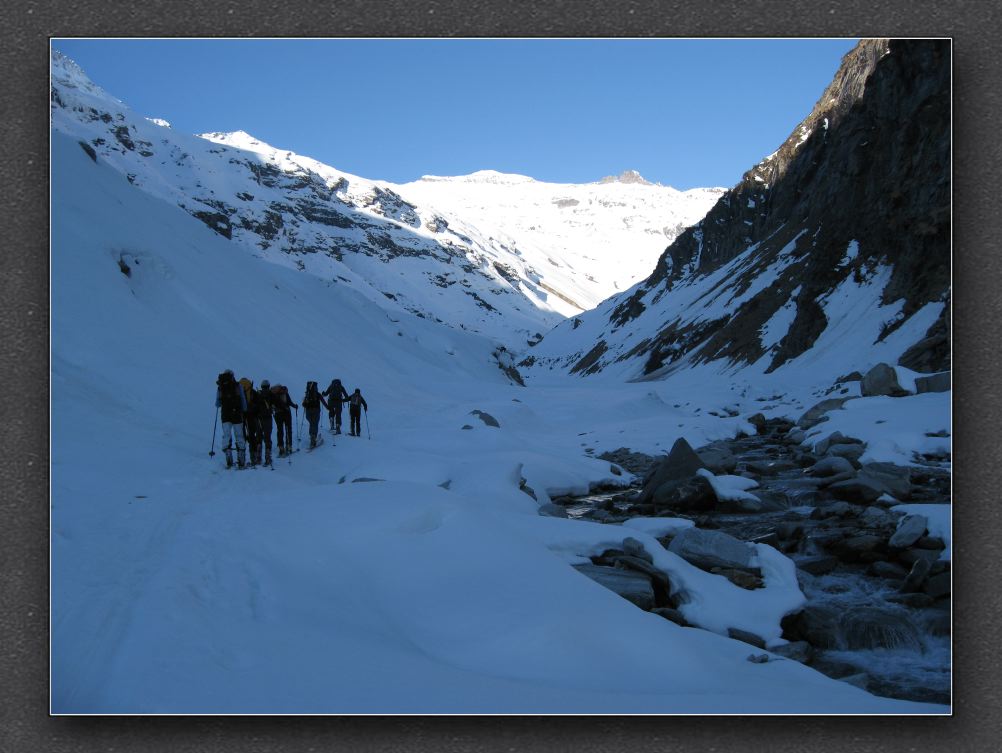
(232, 406)
(336, 395)
(282, 403)
(252, 420)
(312, 401)
(264, 418)
(356, 403)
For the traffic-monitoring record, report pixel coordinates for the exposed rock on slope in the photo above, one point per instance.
(842, 233)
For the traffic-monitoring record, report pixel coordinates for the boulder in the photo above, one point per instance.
(552, 511)
(937, 586)
(797, 651)
(889, 570)
(844, 476)
(744, 635)
(718, 458)
(796, 436)
(866, 542)
(816, 623)
(816, 565)
(816, 413)
(830, 466)
(633, 586)
(931, 542)
(694, 493)
(831, 510)
(681, 463)
(709, 549)
(659, 579)
(862, 489)
(758, 421)
(933, 383)
(851, 452)
(487, 418)
(634, 548)
(882, 379)
(895, 479)
(910, 529)
(836, 437)
(916, 577)
(875, 517)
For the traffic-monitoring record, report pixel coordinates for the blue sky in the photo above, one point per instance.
(685, 113)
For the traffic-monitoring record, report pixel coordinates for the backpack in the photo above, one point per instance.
(229, 397)
(355, 399)
(248, 386)
(280, 397)
(312, 398)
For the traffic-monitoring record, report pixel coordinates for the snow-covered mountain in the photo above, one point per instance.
(481, 270)
(585, 242)
(830, 255)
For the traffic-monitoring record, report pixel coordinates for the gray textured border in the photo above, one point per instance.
(24, 356)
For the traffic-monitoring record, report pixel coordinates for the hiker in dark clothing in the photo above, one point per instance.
(356, 403)
(264, 418)
(336, 396)
(312, 401)
(252, 419)
(282, 404)
(232, 405)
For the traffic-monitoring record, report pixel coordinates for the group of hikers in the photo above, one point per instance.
(247, 415)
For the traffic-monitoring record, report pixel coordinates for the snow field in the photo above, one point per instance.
(180, 587)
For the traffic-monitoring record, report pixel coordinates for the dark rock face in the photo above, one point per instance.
(862, 182)
(680, 465)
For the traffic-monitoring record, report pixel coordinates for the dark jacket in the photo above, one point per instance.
(282, 403)
(356, 402)
(320, 401)
(231, 402)
(337, 394)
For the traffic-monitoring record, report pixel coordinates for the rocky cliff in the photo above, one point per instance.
(848, 221)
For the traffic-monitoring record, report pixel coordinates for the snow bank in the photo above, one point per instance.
(939, 522)
(658, 527)
(730, 488)
(895, 429)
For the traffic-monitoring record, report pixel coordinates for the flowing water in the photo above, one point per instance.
(858, 635)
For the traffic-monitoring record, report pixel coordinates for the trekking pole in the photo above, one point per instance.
(212, 447)
(366, 412)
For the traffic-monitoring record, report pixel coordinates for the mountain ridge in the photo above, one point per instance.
(854, 204)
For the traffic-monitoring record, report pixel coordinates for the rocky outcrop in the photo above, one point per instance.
(858, 194)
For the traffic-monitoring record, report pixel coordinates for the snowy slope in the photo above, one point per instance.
(586, 241)
(403, 246)
(298, 213)
(431, 586)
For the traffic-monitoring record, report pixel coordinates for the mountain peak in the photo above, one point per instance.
(627, 176)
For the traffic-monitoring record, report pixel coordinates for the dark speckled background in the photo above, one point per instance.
(24, 721)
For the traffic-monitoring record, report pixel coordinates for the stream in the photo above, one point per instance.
(858, 625)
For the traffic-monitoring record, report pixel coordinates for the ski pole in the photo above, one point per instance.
(212, 447)
(366, 412)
